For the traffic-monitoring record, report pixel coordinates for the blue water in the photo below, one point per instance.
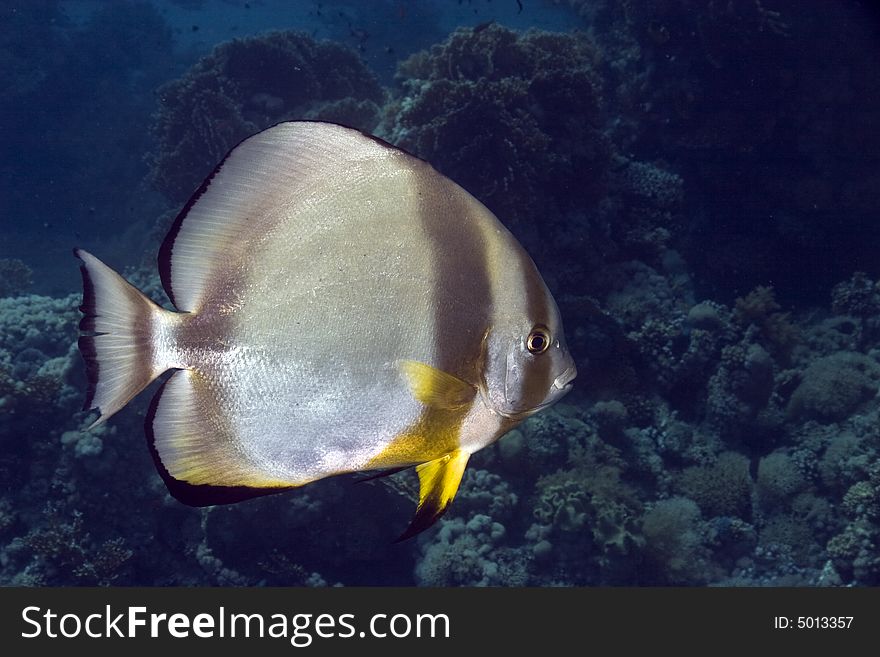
(697, 182)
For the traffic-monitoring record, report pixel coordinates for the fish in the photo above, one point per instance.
(339, 306)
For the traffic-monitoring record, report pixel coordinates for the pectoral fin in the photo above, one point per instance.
(438, 483)
(434, 387)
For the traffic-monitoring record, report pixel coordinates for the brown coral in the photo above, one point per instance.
(512, 117)
(64, 543)
(833, 387)
(722, 489)
(246, 85)
(759, 308)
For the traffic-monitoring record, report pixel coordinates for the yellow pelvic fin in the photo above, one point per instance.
(436, 388)
(438, 483)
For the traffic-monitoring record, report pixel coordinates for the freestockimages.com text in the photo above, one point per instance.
(300, 629)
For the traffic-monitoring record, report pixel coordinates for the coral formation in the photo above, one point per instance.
(15, 277)
(470, 553)
(833, 387)
(675, 542)
(67, 546)
(246, 85)
(760, 309)
(514, 118)
(721, 489)
(779, 478)
(859, 297)
(690, 82)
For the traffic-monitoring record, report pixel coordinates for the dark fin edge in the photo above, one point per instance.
(86, 346)
(381, 473)
(167, 247)
(427, 513)
(86, 343)
(200, 494)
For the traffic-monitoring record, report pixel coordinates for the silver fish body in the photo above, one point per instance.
(342, 307)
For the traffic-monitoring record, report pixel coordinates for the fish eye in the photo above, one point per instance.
(539, 340)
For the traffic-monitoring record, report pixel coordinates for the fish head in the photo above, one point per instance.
(529, 366)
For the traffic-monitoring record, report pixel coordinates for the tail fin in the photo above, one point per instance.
(118, 337)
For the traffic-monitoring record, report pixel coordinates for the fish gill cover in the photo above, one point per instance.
(696, 180)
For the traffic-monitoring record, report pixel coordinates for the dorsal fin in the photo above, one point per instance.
(247, 194)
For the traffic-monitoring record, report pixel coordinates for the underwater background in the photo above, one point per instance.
(697, 180)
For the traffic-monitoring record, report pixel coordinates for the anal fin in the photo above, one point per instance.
(195, 451)
(438, 483)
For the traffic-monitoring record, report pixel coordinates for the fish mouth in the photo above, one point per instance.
(521, 415)
(562, 384)
(517, 415)
(564, 381)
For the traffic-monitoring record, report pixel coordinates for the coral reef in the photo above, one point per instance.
(766, 150)
(722, 430)
(722, 489)
(470, 553)
(675, 544)
(760, 309)
(779, 478)
(853, 551)
(833, 387)
(39, 378)
(741, 389)
(514, 118)
(15, 277)
(859, 297)
(249, 84)
(59, 545)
